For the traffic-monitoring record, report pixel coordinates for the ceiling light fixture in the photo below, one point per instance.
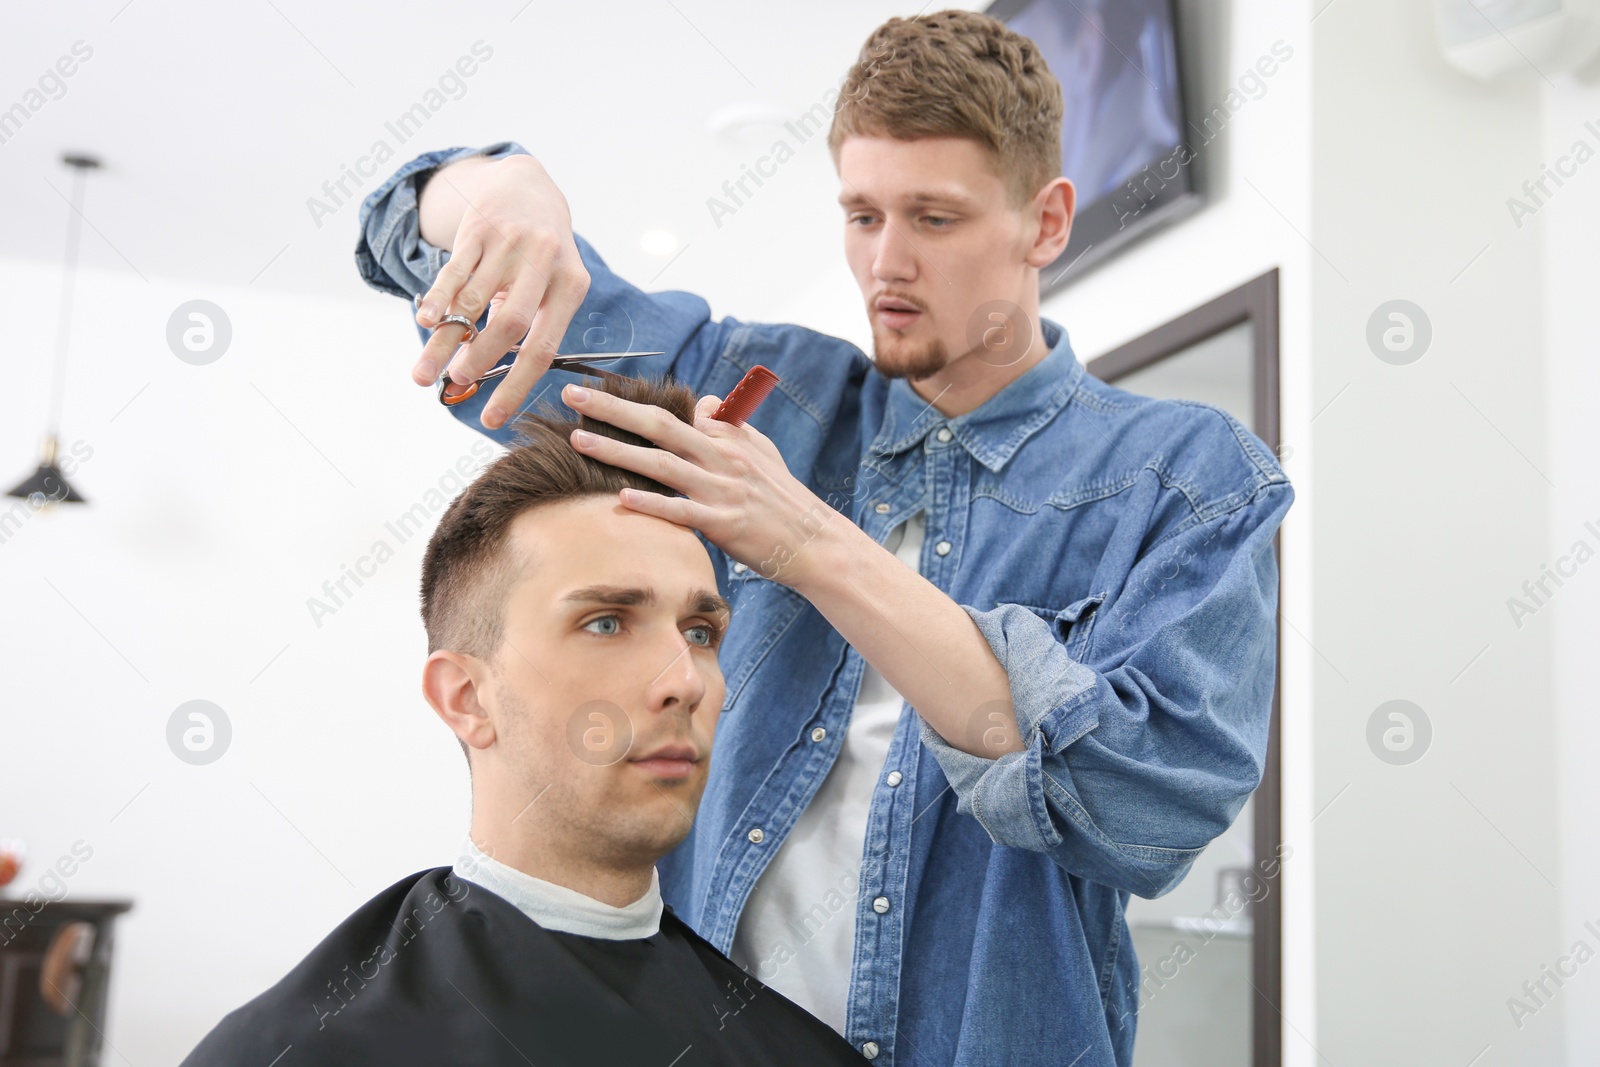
(47, 485)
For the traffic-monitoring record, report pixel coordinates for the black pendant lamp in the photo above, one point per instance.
(47, 485)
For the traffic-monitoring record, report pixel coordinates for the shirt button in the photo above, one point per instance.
(880, 905)
(818, 734)
(870, 1050)
(895, 778)
(944, 433)
(943, 548)
(756, 836)
(739, 568)
(881, 508)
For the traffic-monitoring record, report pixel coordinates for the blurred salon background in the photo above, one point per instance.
(1366, 227)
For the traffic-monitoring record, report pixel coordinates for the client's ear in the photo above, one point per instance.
(450, 683)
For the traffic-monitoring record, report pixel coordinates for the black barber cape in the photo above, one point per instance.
(438, 970)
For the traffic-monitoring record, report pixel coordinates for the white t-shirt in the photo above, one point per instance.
(797, 933)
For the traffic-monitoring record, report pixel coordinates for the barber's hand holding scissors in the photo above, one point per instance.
(509, 234)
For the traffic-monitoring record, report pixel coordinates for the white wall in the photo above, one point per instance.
(1569, 227)
(211, 522)
(1436, 880)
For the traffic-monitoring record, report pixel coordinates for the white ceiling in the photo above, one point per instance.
(218, 123)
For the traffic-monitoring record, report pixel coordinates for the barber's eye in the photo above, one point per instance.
(700, 635)
(609, 624)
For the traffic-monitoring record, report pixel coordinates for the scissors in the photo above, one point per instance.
(578, 361)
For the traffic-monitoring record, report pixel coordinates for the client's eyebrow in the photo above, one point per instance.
(703, 600)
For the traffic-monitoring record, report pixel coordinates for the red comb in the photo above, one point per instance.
(745, 397)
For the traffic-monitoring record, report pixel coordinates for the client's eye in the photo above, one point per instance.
(611, 624)
(701, 635)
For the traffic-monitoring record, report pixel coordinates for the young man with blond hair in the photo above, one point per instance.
(1008, 645)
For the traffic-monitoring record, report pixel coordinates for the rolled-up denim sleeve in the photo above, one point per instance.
(390, 252)
(1142, 749)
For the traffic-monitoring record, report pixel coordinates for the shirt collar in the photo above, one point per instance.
(555, 907)
(995, 429)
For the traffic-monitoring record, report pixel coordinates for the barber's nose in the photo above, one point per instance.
(893, 259)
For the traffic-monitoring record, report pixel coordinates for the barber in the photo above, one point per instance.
(1007, 637)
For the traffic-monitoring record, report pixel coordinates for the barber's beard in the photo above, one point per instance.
(898, 357)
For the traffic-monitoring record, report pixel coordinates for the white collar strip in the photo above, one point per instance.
(555, 907)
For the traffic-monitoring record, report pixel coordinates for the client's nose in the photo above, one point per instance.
(681, 684)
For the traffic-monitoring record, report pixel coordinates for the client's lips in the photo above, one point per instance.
(673, 761)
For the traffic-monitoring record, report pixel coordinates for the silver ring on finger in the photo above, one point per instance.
(460, 320)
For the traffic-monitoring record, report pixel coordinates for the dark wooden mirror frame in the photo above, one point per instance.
(1255, 302)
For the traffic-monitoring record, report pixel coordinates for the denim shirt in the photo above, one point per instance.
(1116, 553)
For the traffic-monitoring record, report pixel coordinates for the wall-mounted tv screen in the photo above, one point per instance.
(1122, 135)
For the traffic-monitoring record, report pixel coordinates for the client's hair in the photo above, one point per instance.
(466, 571)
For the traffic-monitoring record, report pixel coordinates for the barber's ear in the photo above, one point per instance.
(1054, 205)
(451, 682)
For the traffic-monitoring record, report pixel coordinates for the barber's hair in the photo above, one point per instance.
(957, 74)
(467, 569)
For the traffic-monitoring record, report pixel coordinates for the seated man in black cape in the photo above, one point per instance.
(573, 652)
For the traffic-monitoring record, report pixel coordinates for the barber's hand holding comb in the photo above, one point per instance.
(736, 488)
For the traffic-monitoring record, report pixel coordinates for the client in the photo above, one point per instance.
(573, 652)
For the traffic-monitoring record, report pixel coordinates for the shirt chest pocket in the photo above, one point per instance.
(1073, 624)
